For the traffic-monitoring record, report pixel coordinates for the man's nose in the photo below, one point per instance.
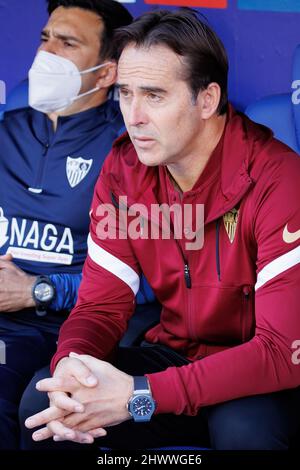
(137, 114)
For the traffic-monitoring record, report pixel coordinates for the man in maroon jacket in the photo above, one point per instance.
(222, 367)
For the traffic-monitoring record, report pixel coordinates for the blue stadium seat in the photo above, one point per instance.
(281, 113)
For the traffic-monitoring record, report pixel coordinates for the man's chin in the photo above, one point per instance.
(148, 159)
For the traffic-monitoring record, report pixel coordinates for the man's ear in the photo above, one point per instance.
(210, 100)
(107, 75)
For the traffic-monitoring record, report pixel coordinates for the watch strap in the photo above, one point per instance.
(140, 384)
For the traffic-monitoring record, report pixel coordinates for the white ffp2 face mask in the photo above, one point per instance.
(55, 82)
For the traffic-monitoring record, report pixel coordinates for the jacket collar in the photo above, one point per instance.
(78, 124)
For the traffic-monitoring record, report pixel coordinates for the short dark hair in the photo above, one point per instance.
(184, 33)
(113, 14)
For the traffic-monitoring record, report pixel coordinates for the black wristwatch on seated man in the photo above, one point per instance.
(43, 292)
(141, 405)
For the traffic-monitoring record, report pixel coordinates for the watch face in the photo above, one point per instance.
(142, 406)
(43, 292)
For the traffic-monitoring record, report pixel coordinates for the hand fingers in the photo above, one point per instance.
(46, 433)
(81, 422)
(44, 417)
(42, 434)
(62, 432)
(53, 384)
(89, 361)
(84, 422)
(76, 368)
(4, 263)
(98, 432)
(7, 257)
(78, 422)
(79, 438)
(64, 402)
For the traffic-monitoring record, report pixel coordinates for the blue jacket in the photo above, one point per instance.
(47, 181)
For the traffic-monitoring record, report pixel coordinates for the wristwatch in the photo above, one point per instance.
(141, 405)
(43, 292)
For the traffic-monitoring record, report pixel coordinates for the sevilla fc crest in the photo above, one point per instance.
(77, 169)
(230, 222)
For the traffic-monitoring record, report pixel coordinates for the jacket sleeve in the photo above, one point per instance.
(106, 297)
(67, 285)
(268, 362)
(66, 288)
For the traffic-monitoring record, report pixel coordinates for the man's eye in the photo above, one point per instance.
(68, 44)
(124, 93)
(44, 39)
(154, 97)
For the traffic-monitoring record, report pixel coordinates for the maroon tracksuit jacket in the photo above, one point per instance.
(232, 306)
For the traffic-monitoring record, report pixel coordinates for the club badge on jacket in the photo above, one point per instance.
(230, 222)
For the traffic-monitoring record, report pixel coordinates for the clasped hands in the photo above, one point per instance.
(86, 395)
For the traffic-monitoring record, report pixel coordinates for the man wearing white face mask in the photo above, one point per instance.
(55, 82)
(50, 156)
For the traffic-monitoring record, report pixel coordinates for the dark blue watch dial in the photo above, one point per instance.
(142, 406)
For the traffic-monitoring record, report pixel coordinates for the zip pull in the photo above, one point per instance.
(46, 148)
(187, 276)
(246, 291)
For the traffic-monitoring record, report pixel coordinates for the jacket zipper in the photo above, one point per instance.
(187, 275)
(188, 283)
(245, 312)
(37, 188)
(186, 268)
